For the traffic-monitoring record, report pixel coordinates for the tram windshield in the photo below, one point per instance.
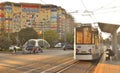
(84, 36)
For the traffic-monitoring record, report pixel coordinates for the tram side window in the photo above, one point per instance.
(96, 40)
(93, 38)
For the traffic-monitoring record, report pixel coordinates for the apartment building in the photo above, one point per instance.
(1, 17)
(16, 16)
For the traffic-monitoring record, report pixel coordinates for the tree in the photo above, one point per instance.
(51, 36)
(4, 42)
(13, 38)
(69, 38)
(26, 34)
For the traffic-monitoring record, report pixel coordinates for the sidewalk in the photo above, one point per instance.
(108, 66)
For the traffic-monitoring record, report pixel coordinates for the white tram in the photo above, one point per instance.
(86, 41)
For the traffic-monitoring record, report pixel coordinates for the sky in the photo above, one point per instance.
(107, 11)
(101, 10)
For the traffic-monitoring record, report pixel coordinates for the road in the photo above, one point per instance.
(34, 63)
(50, 61)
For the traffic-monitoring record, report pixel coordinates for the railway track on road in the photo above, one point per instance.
(52, 64)
(80, 67)
(36, 66)
(73, 67)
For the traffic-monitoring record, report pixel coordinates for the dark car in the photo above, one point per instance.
(29, 47)
(37, 49)
(68, 46)
(34, 49)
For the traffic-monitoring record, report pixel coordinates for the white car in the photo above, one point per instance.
(12, 47)
(59, 45)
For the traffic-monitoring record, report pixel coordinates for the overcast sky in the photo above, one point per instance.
(99, 10)
(102, 10)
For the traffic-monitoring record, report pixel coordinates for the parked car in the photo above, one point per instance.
(68, 46)
(35, 45)
(37, 49)
(29, 47)
(12, 47)
(32, 49)
(59, 45)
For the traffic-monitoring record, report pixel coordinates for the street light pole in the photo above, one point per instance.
(43, 30)
(8, 27)
(42, 26)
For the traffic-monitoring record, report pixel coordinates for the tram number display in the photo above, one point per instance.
(83, 51)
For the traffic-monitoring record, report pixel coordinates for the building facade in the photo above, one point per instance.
(16, 16)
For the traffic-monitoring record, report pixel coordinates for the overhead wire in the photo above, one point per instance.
(43, 1)
(90, 15)
(102, 7)
(106, 9)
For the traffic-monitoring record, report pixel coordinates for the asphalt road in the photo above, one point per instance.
(34, 63)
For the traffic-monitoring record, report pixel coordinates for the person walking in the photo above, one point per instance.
(109, 54)
(14, 49)
(34, 49)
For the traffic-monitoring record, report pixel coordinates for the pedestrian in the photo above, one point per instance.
(14, 49)
(109, 54)
(34, 50)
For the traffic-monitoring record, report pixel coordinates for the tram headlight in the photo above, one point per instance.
(77, 50)
(90, 50)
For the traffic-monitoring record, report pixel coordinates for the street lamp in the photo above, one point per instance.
(42, 24)
(9, 27)
(42, 29)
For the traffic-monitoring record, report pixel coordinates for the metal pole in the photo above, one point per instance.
(8, 27)
(43, 30)
(17, 39)
(17, 35)
(65, 27)
(114, 43)
(42, 27)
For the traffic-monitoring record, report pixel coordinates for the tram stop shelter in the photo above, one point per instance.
(112, 29)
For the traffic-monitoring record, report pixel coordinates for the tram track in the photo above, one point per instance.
(80, 67)
(76, 67)
(45, 65)
(51, 64)
(64, 66)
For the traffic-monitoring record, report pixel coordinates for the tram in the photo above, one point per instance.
(86, 42)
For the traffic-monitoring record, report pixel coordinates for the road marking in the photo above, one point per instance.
(35, 69)
(56, 66)
(24, 66)
(65, 68)
(6, 65)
